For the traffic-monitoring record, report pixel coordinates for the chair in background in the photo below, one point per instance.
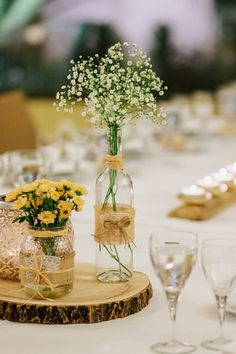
(17, 131)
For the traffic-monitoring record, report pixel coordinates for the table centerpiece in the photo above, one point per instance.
(47, 254)
(117, 89)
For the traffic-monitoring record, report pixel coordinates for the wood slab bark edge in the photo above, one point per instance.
(129, 302)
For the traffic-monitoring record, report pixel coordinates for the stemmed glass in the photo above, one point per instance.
(219, 267)
(25, 166)
(173, 255)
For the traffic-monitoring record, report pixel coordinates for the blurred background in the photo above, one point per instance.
(192, 44)
(38, 37)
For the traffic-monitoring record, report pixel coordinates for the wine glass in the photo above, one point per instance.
(219, 267)
(173, 255)
(49, 150)
(25, 166)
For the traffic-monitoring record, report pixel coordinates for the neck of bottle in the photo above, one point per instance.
(114, 141)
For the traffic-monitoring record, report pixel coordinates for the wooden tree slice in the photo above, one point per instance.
(90, 301)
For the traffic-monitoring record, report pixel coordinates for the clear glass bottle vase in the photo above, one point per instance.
(114, 216)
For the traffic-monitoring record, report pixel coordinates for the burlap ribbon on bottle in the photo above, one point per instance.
(39, 276)
(114, 162)
(114, 227)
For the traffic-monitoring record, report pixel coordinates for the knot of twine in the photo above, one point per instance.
(41, 274)
(114, 162)
(120, 225)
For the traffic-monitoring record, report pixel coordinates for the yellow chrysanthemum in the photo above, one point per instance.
(38, 182)
(35, 184)
(38, 201)
(44, 188)
(64, 205)
(67, 183)
(31, 199)
(70, 194)
(81, 189)
(65, 209)
(58, 186)
(53, 194)
(65, 213)
(33, 196)
(21, 202)
(78, 201)
(13, 195)
(26, 188)
(47, 217)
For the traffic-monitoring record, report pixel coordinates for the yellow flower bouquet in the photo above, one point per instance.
(47, 204)
(47, 254)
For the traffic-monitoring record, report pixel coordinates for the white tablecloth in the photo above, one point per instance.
(157, 180)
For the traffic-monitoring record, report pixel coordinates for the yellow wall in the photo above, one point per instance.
(45, 117)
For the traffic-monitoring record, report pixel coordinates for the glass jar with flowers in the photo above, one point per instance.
(117, 89)
(47, 254)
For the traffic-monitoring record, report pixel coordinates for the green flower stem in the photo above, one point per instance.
(116, 258)
(48, 246)
(114, 146)
(113, 149)
(120, 264)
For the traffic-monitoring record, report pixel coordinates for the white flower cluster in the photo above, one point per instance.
(116, 89)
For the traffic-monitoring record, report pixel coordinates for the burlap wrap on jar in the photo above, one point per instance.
(46, 271)
(46, 263)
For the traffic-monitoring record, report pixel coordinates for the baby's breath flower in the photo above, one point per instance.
(118, 88)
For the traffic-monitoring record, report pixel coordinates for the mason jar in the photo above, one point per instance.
(47, 263)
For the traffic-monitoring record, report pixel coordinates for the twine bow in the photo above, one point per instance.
(110, 224)
(114, 227)
(42, 274)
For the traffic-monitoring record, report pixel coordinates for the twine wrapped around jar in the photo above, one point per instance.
(47, 233)
(39, 276)
(43, 273)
